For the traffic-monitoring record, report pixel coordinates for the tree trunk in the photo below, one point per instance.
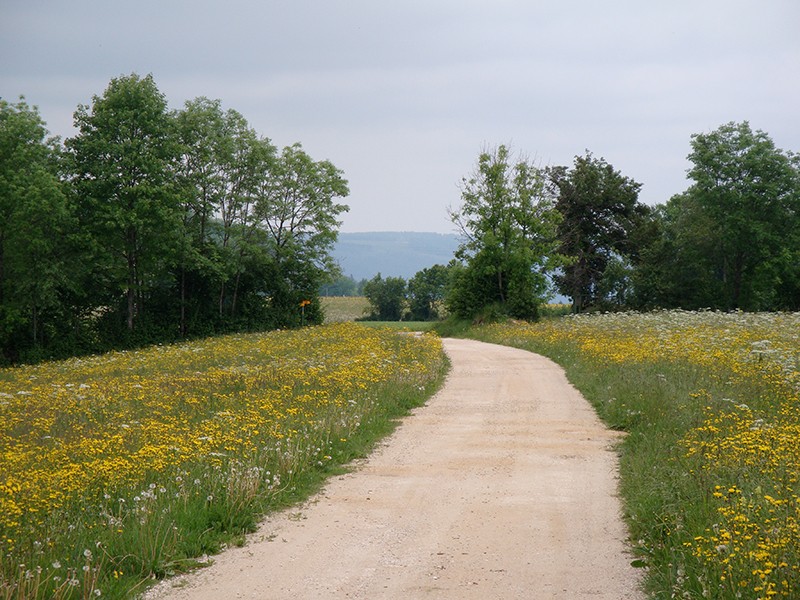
(131, 295)
(183, 302)
(579, 285)
(500, 286)
(35, 319)
(235, 292)
(2, 266)
(221, 298)
(131, 292)
(738, 269)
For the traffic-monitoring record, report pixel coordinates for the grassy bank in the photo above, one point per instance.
(128, 466)
(709, 468)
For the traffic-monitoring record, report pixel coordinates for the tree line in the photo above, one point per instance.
(731, 241)
(152, 225)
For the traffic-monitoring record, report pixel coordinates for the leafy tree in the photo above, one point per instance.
(747, 192)
(123, 165)
(34, 221)
(675, 258)
(600, 213)
(387, 297)
(426, 292)
(731, 240)
(259, 225)
(298, 209)
(216, 171)
(508, 223)
(157, 224)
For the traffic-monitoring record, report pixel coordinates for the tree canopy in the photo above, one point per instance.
(732, 240)
(508, 223)
(152, 225)
(600, 211)
(387, 297)
(34, 224)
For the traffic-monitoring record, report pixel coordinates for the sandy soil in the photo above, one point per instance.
(502, 486)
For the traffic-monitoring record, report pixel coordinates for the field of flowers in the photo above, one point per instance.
(709, 467)
(130, 465)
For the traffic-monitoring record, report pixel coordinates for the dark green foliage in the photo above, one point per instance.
(387, 298)
(508, 222)
(35, 222)
(155, 226)
(731, 240)
(747, 190)
(600, 213)
(122, 164)
(426, 291)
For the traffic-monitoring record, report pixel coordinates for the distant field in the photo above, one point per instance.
(349, 308)
(344, 308)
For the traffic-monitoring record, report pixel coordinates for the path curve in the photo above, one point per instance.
(502, 486)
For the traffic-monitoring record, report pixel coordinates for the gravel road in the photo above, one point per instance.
(502, 486)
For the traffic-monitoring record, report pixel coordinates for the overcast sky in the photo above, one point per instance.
(404, 95)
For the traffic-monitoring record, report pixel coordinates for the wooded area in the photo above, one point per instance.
(729, 242)
(153, 225)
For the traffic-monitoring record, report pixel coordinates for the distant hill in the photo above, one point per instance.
(392, 253)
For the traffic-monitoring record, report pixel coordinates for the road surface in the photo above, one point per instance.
(502, 486)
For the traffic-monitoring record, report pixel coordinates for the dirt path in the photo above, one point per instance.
(502, 486)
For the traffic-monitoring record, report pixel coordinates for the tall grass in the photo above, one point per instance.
(130, 466)
(709, 465)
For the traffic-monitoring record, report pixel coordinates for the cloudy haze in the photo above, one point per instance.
(404, 95)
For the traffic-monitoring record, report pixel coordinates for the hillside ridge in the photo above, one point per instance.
(362, 255)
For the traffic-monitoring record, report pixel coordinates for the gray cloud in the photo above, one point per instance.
(403, 96)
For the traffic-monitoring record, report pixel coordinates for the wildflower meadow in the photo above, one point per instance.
(710, 403)
(120, 468)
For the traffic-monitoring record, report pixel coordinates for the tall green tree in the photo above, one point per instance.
(34, 224)
(426, 292)
(747, 191)
(387, 297)
(676, 258)
(299, 209)
(124, 161)
(224, 165)
(203, 131)
(600, 212)
(508, 223)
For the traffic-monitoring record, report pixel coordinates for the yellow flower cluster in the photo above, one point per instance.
(763, 345)
(755, 542)
(85, 429)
